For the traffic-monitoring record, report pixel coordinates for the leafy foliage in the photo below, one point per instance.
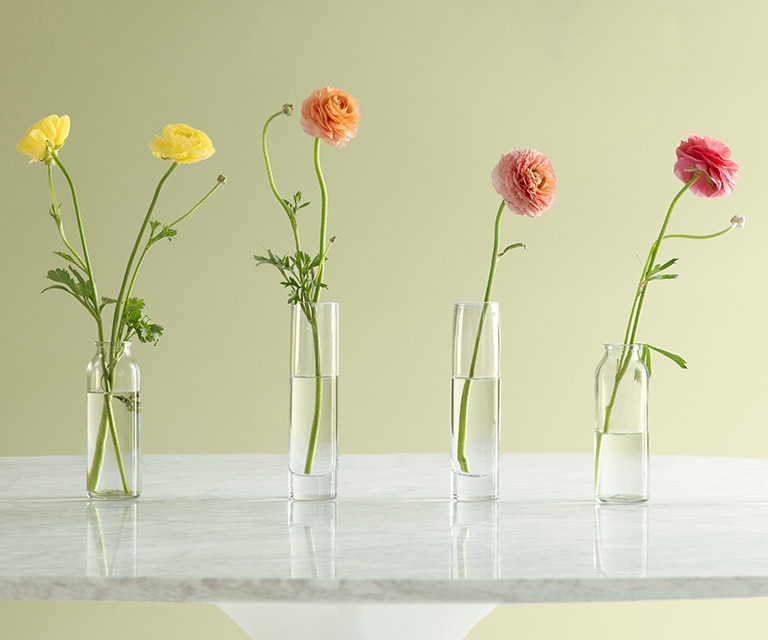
(74, 283)
(299, 274)
(137, 323)
(299, 271)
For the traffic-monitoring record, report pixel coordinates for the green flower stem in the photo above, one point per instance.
(117, 320)
(271, 178)
(462, 434)
(312, 316)
(323, 218)
(107, 424)
(81, 231)
(151, 240)
(60, 224)
(634, 317)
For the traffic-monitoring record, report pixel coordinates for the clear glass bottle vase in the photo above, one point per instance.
(621, 425)
(475, 401)
(113, 390)
(313, 448)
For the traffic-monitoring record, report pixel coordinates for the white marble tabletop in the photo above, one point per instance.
(218, 528)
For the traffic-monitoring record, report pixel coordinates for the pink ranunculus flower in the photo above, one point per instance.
(526, 180)
(331, 115)
(712, 158)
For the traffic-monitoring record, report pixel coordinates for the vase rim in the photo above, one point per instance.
(126, 343)
(479, 304)
(622, 345)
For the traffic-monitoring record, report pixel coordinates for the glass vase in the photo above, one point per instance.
(313, 449)
(621, 425)
(113, 384)
(475, 401)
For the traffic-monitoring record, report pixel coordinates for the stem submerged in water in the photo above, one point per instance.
(461, 437)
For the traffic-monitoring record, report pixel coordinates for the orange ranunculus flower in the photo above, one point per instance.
(183, 144)
(526, 180)
(34, 143)
(331, 115)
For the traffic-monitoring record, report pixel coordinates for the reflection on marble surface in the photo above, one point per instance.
(217, 528)
(621, 540)
(112, 538)
(474, 540)
(312, 538)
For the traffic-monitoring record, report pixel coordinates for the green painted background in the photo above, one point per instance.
(605, 89)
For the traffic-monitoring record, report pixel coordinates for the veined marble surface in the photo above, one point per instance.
(218, 528)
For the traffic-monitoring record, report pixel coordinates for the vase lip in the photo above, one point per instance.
(622, 345)
(125, 343)
(315, 304)
(475, 303)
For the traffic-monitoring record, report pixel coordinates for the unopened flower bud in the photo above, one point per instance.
(221, 179)
(287, 109)
(738, 221)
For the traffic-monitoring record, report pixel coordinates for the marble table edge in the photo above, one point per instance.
(401, 591)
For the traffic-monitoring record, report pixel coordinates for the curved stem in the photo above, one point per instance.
(461, 437)
(198, 205)
(323, 218)
(271, 178)
(634, 317)
(117, 319)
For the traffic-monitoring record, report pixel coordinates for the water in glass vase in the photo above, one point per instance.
(312, 452)
(622, 474)
(113, 454)
(474, 463)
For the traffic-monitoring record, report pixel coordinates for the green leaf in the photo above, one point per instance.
(661, 267)
(662, 276)
(645, 357)
(516, 245)
(67, 257)
(138, 323)
(678, 360)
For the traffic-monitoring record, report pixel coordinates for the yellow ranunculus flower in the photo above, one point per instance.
(183, 144)
(53, 129)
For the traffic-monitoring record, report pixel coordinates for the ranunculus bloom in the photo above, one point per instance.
(526, 180)
(183, 144)
(53, 129)
(712, 158)
(331, 115)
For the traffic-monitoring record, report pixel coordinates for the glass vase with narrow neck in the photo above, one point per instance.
(113, 386)
(313, 448)
(475, 401)
(621, 425)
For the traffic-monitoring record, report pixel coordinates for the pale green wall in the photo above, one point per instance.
(605, 88)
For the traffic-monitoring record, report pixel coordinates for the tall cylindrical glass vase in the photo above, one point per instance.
(621, 425)
(313, 448)
(475, 401)
(113, 384)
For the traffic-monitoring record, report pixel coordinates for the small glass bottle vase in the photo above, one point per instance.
(313, 449)
(113, 383)
(475, 401)
(621, 425)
